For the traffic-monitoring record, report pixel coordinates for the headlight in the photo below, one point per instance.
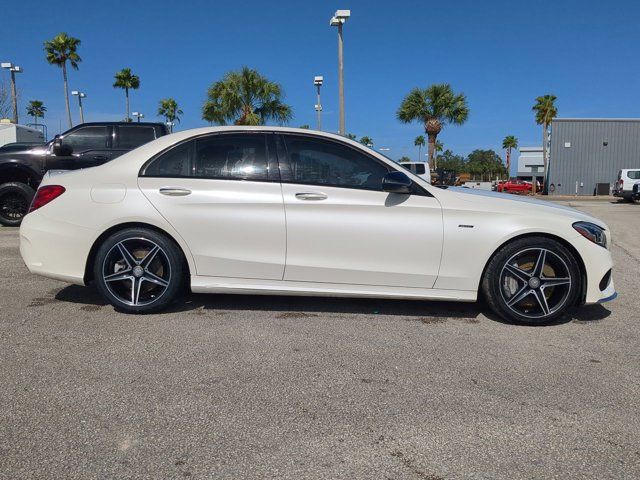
(591, 232)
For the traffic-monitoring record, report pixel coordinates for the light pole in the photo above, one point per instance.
(337, 21)
(138, 115)
(14, 94)
(170, 125)
(317, 81)
(80, 96)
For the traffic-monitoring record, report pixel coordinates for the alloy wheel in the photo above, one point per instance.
(13, 206)
(136, 271)
(535, 283)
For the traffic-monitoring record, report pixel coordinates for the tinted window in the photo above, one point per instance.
(173, 163)
(132, 137)
(322, 162)
(241, 156)
(420, 169)
(635, 174)
(87, 138)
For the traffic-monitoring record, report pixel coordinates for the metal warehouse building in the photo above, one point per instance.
(587, 153)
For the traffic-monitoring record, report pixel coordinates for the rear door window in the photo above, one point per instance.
(232, 157)
(130, 137)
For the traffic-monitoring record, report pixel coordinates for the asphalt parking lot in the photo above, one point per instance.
(230, 386)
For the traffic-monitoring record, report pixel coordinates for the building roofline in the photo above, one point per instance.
(596, 120)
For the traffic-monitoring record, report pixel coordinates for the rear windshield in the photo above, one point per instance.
(132, 137)
(420, 170)
(634, 174)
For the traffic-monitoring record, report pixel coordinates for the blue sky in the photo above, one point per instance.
(501, 54)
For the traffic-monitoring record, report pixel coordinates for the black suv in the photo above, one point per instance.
(85, 145)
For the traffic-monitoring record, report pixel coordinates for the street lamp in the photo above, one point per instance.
(170, 125)
(317, 81)
(14, 96)
(80, 96)
(138, 115)
(337, 21)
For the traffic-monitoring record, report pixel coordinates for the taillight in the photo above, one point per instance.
(45, 195)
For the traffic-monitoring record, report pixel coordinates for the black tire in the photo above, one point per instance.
(15, 199)
(547, 293)
(132, 280)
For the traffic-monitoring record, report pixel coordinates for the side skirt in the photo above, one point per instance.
(200, 284)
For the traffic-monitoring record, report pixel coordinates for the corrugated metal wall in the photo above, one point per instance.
(588, 160)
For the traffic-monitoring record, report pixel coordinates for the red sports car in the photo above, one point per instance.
(515, 186)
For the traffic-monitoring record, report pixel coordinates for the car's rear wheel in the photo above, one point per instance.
(139, 270)
(15, 198)
(533, 281)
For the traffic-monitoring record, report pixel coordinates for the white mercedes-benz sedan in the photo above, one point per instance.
(271, 210)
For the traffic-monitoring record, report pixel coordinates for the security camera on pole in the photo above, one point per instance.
(337, 21)
(317, 81)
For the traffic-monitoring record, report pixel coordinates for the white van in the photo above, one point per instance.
(627, 177)
(420, 169)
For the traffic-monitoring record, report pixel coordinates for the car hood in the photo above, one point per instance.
(509, 202)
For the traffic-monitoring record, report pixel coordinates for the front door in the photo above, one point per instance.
(341, 226)
(90, 146)
(222, 194)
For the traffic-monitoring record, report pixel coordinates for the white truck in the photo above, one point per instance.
(627, 178)
(12, 133)
(420, 169)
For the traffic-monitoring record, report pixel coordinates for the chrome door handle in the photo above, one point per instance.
(311, 196)
(175, 191)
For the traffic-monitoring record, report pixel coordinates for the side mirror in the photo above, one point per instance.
(396, 182)
(60, 149)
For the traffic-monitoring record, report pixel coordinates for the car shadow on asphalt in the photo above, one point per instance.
(285, 306)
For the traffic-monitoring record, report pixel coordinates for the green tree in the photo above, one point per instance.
(485, 164)
(245, 97)
(510, 142)
(367, 141)
(62, 49)
(350, 136)
(126, 80)
(419, 142)
(168, 108)
(305, 126)
(36, 109)
(451, 162)
(546, 111)
(404, 159)
(439, 147)
(434, 107)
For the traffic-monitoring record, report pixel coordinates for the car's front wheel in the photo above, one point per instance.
(532, 280)
(139, 270)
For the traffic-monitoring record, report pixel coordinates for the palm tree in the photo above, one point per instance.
(419, 142)
(546, 111)
(59, 50)
(245, 98)
(126, 80)
(367, 141)
(351, 136)
(168, 108)
(36, 110)
(510, 142)
(305, 126)
(434, 106)
(439, 146)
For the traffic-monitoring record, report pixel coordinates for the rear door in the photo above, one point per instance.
(341, 226)
(128, 137)
(221, 192)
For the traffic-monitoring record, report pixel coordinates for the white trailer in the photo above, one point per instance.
(11, 133)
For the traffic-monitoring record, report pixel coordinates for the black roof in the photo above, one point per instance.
(155, 124)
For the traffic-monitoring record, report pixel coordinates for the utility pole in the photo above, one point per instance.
(13, 69)
(337, 21)
(80, 96)
(317, 81)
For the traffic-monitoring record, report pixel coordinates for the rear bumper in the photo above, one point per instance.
(54, 249)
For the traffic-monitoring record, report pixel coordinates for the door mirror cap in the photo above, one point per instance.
(396, 182)
(60, 149)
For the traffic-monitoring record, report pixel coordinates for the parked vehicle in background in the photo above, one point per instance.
(627, 177)
(12, 133)
(514, 186)
(420, 169)
(85, 145)
(488, 186)
(635, 193)
(276, 210)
